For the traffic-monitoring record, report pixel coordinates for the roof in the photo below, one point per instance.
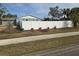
(8, 17)
(29, 17)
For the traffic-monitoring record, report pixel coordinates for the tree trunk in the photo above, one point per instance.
(75, 24)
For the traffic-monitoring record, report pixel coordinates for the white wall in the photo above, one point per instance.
(27, 25)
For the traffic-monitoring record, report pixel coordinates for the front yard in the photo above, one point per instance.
(15, 34)
(29, 47)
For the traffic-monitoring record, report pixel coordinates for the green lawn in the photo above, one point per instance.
(25, 48)
(33, 33)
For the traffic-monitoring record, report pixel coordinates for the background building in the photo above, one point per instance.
(8, 19)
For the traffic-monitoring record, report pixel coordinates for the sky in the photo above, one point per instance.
(35, 9)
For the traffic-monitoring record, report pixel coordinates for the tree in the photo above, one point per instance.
(9, 25)
(67, 12)
(2, 11)
(74, 16)
(55, 13)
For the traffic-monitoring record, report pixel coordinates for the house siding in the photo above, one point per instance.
(7, 22)
(27, 25)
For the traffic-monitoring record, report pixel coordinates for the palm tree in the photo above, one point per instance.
(74, 15)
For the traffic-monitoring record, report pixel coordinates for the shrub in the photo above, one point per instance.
(48, 28)
(55, 27)
(40, 29)
(32, 29)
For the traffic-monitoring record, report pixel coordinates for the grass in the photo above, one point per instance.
(33, 33)
(25, 48)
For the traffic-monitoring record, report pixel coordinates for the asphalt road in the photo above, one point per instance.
(72, 50)
(34, 38)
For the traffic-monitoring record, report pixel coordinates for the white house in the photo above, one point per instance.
(28, 22)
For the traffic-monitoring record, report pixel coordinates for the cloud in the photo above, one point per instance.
(37, 9)
(42, 9)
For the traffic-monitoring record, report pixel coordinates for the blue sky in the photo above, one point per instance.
(36, 9)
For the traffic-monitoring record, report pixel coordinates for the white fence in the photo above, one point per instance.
(27, 25)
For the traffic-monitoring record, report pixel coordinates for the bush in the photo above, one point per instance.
(45, 30)
(32, 29)
(40, 29)
(48, 28)
(55, 27)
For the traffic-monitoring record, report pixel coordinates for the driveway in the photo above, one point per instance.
(34, 38)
